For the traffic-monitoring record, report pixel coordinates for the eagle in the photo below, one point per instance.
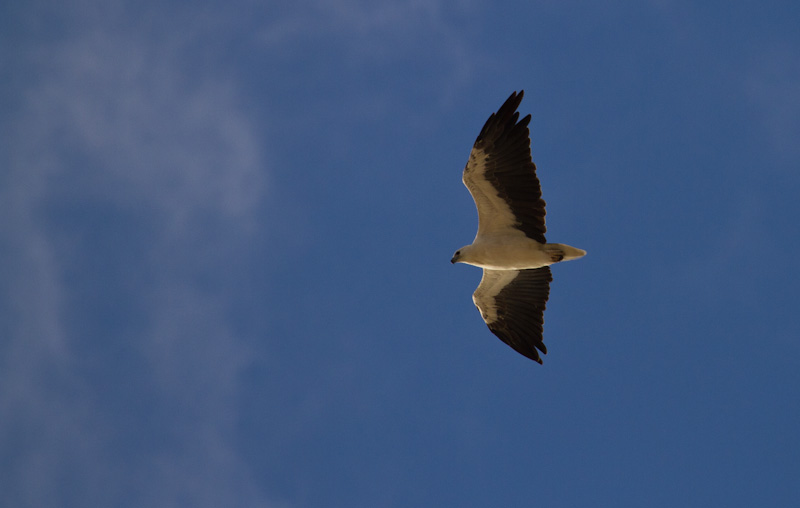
(510, 245)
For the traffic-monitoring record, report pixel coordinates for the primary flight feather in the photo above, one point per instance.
(510, 245)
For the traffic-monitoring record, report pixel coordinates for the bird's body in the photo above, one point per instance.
(510, 245)
(511, 252)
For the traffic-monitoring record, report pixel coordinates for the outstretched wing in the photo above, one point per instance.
(512, 303)
(501, 176)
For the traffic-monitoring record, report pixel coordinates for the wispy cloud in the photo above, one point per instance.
(132, 181)
(379, 32)
(772, 86)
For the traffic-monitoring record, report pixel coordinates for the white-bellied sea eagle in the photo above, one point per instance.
(510, 244)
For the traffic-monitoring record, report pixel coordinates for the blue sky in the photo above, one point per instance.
(226, 237)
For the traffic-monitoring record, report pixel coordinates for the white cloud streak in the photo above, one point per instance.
(772, 86)
(384, 31)
(115, 119)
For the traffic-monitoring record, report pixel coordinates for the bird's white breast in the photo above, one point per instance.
(508, 252)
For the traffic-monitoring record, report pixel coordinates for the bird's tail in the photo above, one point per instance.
(560, 252)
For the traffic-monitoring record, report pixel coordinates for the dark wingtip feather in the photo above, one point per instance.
(506, 112)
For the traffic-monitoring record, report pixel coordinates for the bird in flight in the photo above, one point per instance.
(510, 244)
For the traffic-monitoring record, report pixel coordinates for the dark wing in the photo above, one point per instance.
(512, 303)
(501, 176)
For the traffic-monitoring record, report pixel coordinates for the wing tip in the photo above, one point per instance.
(540, 346)
(506, 114)
(529, 346)
(515, 96)
(534, 354)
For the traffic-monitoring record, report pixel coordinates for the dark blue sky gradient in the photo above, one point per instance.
(226, 241)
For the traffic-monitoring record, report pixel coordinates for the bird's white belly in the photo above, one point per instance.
(511, 254)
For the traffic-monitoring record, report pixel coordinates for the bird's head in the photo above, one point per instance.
(459, 256)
